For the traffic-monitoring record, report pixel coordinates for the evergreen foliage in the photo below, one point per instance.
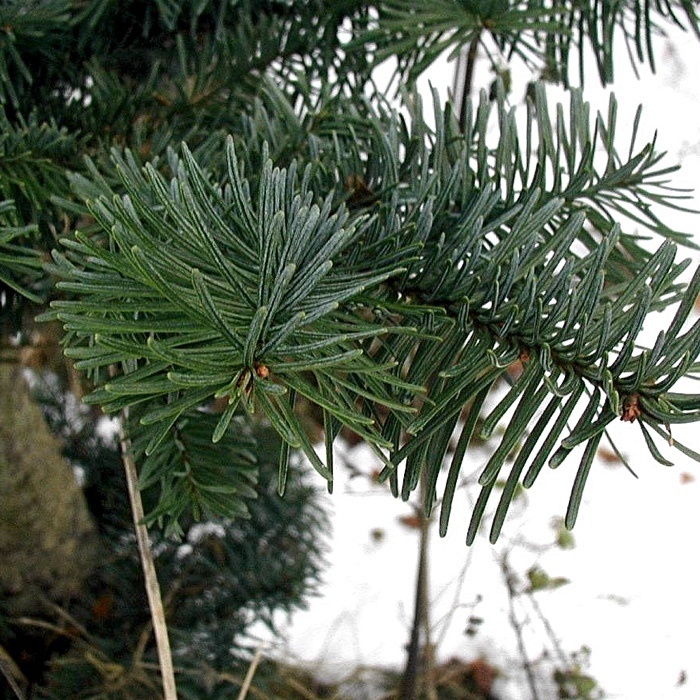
(219, 577)
(19, 263)
(547, 36)
(310, 243)
(239, 222)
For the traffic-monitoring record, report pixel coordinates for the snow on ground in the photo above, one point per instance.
(632, 597)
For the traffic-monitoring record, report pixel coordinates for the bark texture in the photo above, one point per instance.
(48, 544)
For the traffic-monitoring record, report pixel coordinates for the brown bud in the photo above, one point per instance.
(631, 408)
(360, 194)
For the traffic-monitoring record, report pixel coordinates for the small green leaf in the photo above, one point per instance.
(540, 580)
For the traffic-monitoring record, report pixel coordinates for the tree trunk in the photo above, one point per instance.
(48, 544)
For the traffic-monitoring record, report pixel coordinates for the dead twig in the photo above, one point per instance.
(12, 673)
(250, 673)
(155, 601)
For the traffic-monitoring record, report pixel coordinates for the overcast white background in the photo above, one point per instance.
(633, 597)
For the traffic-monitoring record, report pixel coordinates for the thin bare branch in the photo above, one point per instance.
(250, 673)
(12, 673)
(155, 601)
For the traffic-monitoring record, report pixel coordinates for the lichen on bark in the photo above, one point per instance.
(48, 543)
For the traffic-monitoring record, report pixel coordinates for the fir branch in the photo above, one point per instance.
(547, 36)
(34, 157)
(261, 286)
(31, 32)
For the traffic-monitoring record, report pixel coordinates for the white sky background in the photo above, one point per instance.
(634, 593)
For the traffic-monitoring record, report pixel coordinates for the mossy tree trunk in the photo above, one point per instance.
(48, 543)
